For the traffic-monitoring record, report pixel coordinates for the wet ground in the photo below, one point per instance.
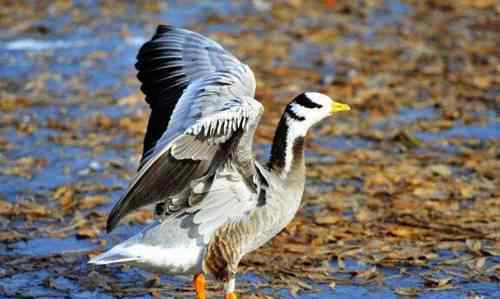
(403, 193)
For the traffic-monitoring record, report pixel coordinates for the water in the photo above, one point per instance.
(409, 116)
(490, 131)
(50, 246)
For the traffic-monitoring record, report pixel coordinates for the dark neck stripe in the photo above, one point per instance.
(278, 150)
(281, 149)
(303, 100)
(293, 115)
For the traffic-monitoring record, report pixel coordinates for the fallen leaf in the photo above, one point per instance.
(441, 169)
(6, 208)
(87, 232)
(328, 219)
(89, 202)
(473, 245)
(407, 291)
(141, 216)
(65, 195)
(10, 236)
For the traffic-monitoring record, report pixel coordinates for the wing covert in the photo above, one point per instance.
(216, 200)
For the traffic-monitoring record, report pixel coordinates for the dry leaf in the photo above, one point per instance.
(89, 202)
(441, 169)
(141, 216)
(407, 291)
(65, 196)
(473, 245)
(87, 232)
(6, 208)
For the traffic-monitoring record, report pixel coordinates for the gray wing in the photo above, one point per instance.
(216, 110)
(224, 198)
(169, 63)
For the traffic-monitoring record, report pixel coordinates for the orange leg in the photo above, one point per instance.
(230, 296)
(229, 289)
(199, 286)
(329, 3)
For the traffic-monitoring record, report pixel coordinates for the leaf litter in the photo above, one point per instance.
(418, 202)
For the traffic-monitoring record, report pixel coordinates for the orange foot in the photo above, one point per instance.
(329, 3)
(230, 296)
(199, 286)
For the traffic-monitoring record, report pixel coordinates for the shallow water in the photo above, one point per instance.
(81, 69)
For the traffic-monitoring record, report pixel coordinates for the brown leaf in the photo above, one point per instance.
(33, 210)
(10, 236)
(65, 195)
(482, 81)
(102, 121)
(87, 232)
(133, 125)
(24, 167)
(466, 190)
(480, 262)
(364, 215)
(89, 202)
(439, 283)
(444, 282)
(441, 170)
(296, 248)
(402, 231)
(6, 208)
(407, 291)
(367, 274)
(473, 245)
(430, 191)
(130, 100)
(328, 219)
(141, 216)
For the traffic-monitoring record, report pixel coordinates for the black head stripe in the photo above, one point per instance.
(303, 100)
(292, 114)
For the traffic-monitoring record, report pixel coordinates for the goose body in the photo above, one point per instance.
(214, 201)
(168, 245)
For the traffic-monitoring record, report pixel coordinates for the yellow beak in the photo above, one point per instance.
(338, 107)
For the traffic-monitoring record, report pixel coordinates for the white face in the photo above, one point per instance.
(303, 112)
(310, 108)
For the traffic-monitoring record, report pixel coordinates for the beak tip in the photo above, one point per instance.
(338, 107)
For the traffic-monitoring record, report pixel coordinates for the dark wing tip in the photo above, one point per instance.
(117, 213)
(109, 226)
(161, 71)
(162, 28)
(112, 220)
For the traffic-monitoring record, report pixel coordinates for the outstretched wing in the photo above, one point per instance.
(172, 60)
(202, 104)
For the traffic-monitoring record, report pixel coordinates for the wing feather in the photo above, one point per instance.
(225, 198)
(169, 63)
(202, 102)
